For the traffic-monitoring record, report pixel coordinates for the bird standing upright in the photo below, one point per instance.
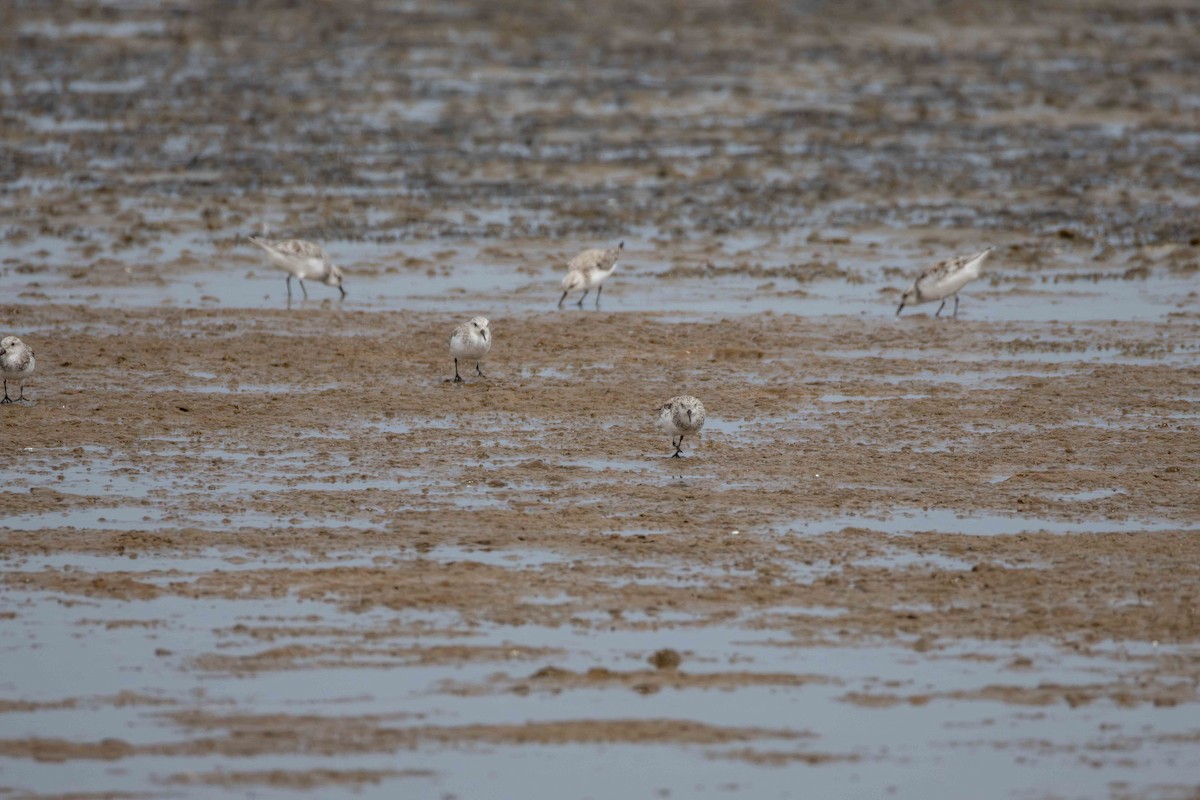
(16, 363)
(471, 341)
(680, 416)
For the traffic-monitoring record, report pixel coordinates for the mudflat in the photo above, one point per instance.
(270, 548)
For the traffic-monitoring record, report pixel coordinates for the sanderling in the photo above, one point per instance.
(943, 280)
(680, 416)
(301, 260)
(17, 363)
(471, 340)
(589, 269)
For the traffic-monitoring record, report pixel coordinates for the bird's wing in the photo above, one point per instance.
(24, 356)
(587, 260)
(573, 280)
(609, 257)
(944, 268)
(298, 248)
(951, 266)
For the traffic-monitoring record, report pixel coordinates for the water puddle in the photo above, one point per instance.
(1085, 496)
(507, 558)
(846, 398)
(729, 427)
(134, 518)
(913, 521)
(117, 29)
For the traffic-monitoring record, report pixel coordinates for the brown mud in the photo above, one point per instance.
(330, 569)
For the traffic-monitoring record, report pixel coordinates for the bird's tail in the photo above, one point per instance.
(977, 261)
(254, 239)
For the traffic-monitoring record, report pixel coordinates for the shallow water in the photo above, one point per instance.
(916, 521)
(466, 280)
(901, 749)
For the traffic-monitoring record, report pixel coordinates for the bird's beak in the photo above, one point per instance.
(689, 415)
(898, 310)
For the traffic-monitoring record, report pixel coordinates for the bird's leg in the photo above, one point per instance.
(564, 297)
(956, 305)
(302, 288)
(20, 398)
(8, 399)
(457, 377)
(678, 447)
(585, 294)
(898, 310)
(938, 314)
(599, 289)
(343, 291)
(478, 371)
(289, 285)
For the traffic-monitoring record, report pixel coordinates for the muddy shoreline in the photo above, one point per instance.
(270, 549)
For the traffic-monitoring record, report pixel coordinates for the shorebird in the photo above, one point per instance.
(680, 416)
(943, 280)
(471, 340)
(590, 269)
(17, 363)
(302, 260)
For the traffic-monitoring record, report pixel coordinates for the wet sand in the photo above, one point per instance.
(265, 549)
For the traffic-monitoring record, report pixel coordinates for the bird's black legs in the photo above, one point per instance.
(939, 311)
(599, 289)
(459, 379)
(898, 310)
(303, 289)
(21, 397)
(343, 291)
(7, 399)
(560, 300)
(677, 445)
(956, 305)
(585, 294)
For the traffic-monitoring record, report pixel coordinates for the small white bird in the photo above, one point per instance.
(17, 363)
(943, 280)
(302, 260)
(588, 270)
(470, 341)
(680, 416)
